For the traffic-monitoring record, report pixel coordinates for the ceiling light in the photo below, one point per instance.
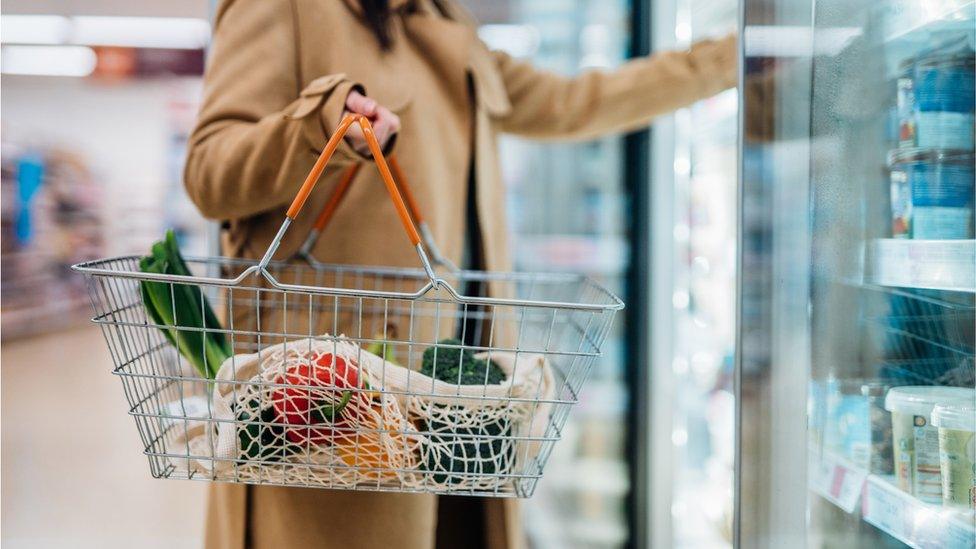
(34, 29)
(134, 32)
(47, 60)
(141, 32)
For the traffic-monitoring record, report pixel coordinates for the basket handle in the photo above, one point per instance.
(325, 216)
(313, 177)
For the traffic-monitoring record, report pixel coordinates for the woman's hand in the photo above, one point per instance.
(385, 123)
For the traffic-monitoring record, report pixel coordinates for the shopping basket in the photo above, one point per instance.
(354, 377)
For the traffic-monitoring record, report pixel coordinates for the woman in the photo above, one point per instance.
(281, 75)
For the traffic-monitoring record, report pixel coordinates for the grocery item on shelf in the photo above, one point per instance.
(905, 102)
(944, 98)
(51, 218)
(881, 458)
(848, 429)
(956, 422)
(916, 441)
(931, 194)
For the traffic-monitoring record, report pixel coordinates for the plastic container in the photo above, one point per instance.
(906, 103)
(916, 441)
(944, 97)
(931, 194)
(848, 431)
(881, 460)
(956, 422)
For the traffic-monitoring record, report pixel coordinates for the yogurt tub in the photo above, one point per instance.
(916, 440)
(956, 422)
(944, 99)
(931, 194)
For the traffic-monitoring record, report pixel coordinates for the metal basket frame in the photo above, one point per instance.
(563, 318)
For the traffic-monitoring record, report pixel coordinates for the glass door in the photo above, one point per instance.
(855, 370)
(567, 208)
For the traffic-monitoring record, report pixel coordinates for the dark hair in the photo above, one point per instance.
(377, 15)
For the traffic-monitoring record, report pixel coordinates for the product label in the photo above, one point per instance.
(901, 205)
(927, 476)
(947, 185)
(935, 223)
(957, 453)
(944, 130)
(904, 439)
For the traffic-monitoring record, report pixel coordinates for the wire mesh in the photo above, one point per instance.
(329, 389)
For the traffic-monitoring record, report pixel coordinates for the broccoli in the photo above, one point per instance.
(485, 450)
(481, 450)
(455, 364)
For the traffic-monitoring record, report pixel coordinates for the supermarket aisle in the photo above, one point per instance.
(73, 471)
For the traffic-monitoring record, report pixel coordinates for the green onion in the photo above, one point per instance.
(177, 307)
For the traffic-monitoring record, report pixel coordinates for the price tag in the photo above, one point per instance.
(847, 487)
(838, 482)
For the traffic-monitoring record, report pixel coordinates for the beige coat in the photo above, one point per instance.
(276, 82)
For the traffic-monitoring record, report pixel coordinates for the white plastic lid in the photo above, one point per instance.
(919, 400)
(959, 415)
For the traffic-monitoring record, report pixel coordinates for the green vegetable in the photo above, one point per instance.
(383, 347)
(480, 450)
(455, 364)
(179, 306)
(259, 441)
(487, 454)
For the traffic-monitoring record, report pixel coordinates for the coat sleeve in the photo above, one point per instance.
(259, 131)
(546, 105)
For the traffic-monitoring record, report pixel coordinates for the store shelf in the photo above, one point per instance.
(913, 522)
(929, 264)
(880, 503)
(905, 18)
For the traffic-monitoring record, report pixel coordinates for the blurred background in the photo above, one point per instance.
(98, 99)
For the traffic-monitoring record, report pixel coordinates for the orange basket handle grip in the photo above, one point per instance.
(385, 174)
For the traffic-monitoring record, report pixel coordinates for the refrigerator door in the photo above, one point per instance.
(855, 347)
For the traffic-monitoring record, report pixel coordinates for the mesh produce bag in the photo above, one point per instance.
(280, 419)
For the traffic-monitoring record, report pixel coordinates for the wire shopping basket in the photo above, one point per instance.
(350, 377)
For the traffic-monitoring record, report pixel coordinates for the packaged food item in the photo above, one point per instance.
(881, 461)
(816, 411)
(848, 430)
(944, 97)
(906, 103)
(916, 441)
(931, 194)
(956, 422)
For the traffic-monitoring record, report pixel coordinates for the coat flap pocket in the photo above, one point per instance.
(312, 97)
(323, 84)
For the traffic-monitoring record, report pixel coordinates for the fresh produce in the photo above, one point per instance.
(258, 441)
(481, 449)
(382, 347)
(448, 361)
(183, 309)
(320, 394)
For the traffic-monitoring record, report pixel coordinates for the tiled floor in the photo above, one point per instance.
(73, 470)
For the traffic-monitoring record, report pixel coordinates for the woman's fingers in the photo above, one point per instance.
(385, 124)
(360, 104)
